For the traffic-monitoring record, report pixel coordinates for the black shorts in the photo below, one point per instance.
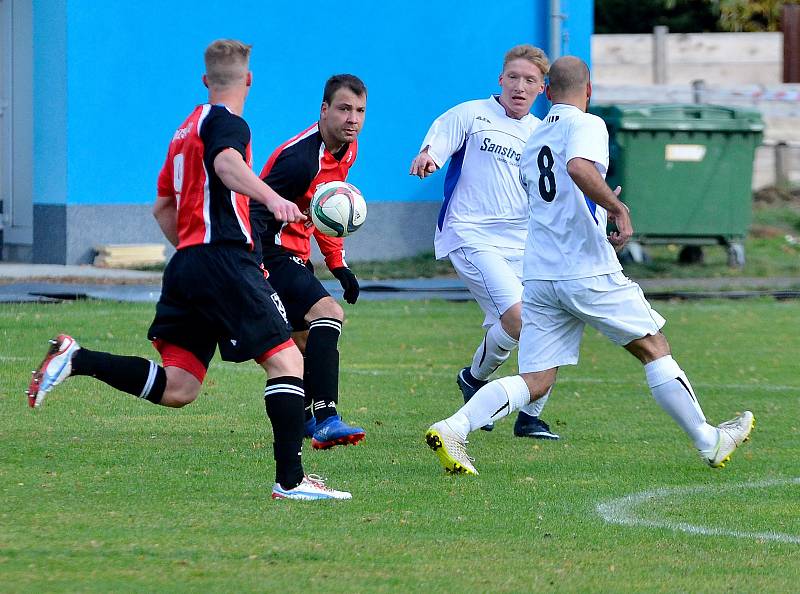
(296, 284)
(216, 295)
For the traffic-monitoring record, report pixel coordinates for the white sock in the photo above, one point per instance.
(492, 352)
(673, 392)
(536, 407)
(491, 403)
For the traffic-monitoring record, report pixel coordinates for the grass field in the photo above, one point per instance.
(101, 492)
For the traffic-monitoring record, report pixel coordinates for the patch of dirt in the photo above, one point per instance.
(777, 196)
(766, 232)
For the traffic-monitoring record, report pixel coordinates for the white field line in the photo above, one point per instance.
(621, 511)
(428, 370)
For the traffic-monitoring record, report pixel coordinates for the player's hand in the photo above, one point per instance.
(349, 283)
(284, 210)
(622, 220)
(423, 165)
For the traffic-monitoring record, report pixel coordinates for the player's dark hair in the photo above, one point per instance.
(337, 81)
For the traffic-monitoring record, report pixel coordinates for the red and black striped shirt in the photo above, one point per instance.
(295, 170)
(208, 212)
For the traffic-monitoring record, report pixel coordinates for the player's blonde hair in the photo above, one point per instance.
(227, 62)
(532, 54)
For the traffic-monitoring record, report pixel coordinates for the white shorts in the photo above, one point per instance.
(554, 314)
(493, 277)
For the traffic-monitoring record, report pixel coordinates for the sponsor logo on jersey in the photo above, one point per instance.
(182, 133)
(551, 119)
(483, 119)
(504, 151)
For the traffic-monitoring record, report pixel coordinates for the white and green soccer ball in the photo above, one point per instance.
(338, 209)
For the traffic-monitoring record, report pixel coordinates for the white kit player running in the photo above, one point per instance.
(483, 221)
(573, 278)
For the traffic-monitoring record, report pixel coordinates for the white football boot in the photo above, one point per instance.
(54, 369)
(312, 488)
(732, 434)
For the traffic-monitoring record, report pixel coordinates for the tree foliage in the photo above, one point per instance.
(688, 16)
(751, 15)
(640, 16)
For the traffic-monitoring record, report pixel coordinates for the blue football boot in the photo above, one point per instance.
(333, 431)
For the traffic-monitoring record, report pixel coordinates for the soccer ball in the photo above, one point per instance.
(338, 209)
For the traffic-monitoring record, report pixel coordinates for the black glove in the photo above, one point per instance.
(349, 283)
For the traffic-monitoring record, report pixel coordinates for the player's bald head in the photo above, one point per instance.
(568, 75)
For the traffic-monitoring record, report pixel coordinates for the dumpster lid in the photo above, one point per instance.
(691, 117)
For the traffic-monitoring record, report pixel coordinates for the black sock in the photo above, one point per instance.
(322, 366)
(141, 377)
(283, 399)
(308, 403)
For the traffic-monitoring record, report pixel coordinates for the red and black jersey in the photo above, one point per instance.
(295, 170)
(208, 212)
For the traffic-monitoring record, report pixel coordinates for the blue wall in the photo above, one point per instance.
(114, 79)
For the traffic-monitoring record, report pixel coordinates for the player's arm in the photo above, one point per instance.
(332, 249)
(423, 164)
(237, 176)
(165, 211)
(445, 137)
(586, 176)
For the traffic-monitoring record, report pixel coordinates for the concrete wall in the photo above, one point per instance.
(718, 58)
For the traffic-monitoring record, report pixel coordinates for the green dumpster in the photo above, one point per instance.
(685, 170)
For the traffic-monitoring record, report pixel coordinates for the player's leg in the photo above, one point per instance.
(324, 319)
(173, 322)
(252, 324)
(492, 402)
(674, 394)
(616, 306)
(310, 307)
(300, 338)
(495, 281)
(137, 376)
(550, 338)
(494, 284)
(283, 399)
(287, 275)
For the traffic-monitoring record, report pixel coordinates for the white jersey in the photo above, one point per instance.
(484, 202)
(567, 236)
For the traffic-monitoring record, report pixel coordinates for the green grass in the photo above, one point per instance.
(101, 492)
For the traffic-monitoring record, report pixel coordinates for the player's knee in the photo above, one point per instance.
(300, 339)
(539, 382)
(649, 348)
(182, 388)
(511, 320)
(178, 396)
(286, 362)
(327, 307)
